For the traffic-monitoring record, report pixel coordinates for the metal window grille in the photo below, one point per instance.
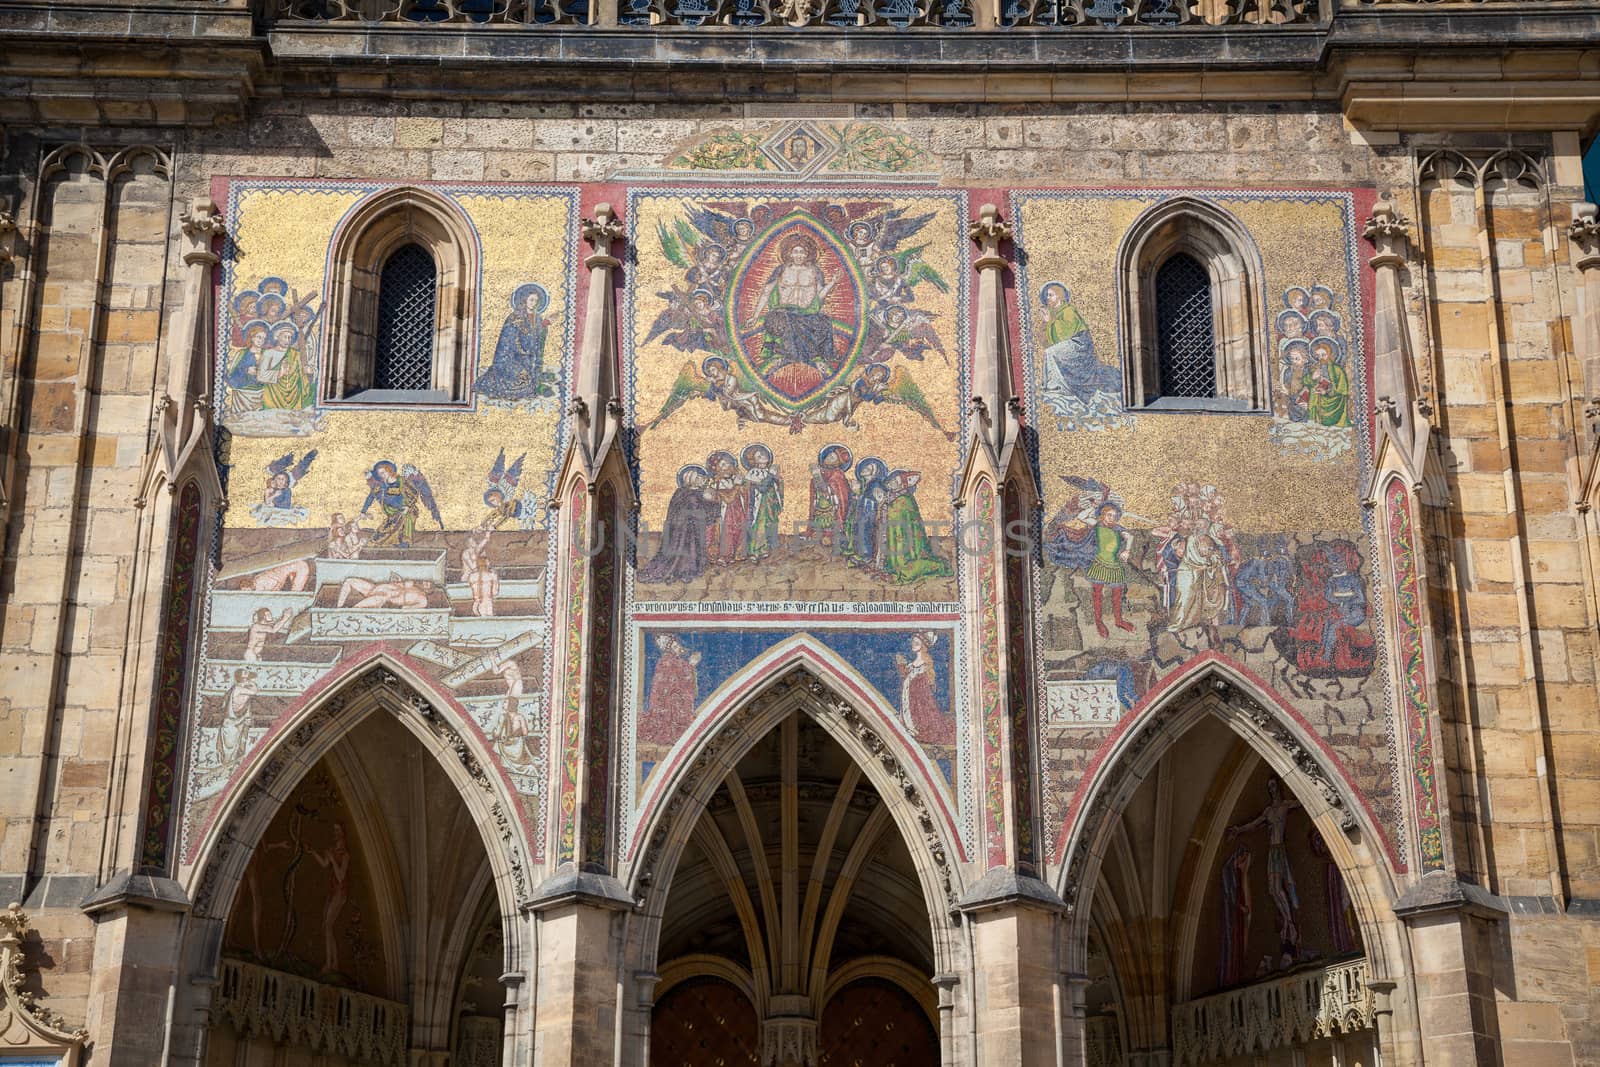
(1186, 362)
(407, 292)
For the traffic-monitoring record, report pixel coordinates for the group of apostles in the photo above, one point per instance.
(729, 511)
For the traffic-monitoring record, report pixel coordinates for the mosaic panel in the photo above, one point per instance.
(686, 667)
(796, 362)
(1170, 535)
(356, 528)
(796, 368)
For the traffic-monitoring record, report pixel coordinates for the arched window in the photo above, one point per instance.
(1189, 283)
(407, 291)
(401, 304)
(1186, 362)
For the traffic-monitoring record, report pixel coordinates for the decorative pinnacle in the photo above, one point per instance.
(988, 231)
(601, 230)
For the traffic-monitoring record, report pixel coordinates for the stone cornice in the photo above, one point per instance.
(97, 75)
(1388, 66)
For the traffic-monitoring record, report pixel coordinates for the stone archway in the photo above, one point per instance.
(421, 826)
(1165, 813)
(799, 825)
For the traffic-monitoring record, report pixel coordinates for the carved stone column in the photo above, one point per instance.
(947, 984)
(138, 907)
(578, 908)
(1395, 370)
(8, 252)
(1584, 238)
(1013, 914)
(1074, 1020)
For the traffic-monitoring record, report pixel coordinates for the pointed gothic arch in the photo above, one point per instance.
(880, 756)
(1209, 704)
(379, 686)
(733, 701)
(1221, 247)
(388, 222)
(1212, 689)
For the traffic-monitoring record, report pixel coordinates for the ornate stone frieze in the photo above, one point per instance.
(1498, 169)
(25, 1025)
(291, 1011)
(1299, 1008)
(1232, 702)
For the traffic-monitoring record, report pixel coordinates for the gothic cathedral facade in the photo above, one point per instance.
(891, 532)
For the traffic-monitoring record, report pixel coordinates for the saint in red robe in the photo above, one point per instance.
(669, 706)
(830, 503)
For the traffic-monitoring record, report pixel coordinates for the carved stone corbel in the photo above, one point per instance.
(787, 1039)
(27, 1027)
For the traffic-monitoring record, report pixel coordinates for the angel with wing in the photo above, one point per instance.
(699, 247)
(277, 507)
(501, 495)
(721, 228)
(715, 380)
(881, 235)
(908, 333)
(401, 493)
(689, 323)
(895, 275)
(876, 384)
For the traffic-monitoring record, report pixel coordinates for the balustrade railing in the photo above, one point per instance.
(798, 14)
(1298, 1008)
(1133, 15)
(286, 1009)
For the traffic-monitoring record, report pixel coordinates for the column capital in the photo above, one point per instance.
(988, 231)
(1390, 234)
(201, 223)
(1584, 233)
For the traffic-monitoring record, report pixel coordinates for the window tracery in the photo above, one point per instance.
(401, 303)
(1189, 282)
